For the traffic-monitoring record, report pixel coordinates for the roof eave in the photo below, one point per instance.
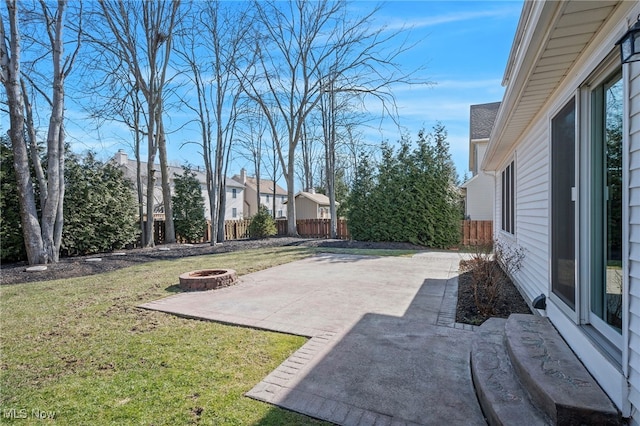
(534, 25)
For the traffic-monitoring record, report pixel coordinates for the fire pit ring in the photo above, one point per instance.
(207, 279)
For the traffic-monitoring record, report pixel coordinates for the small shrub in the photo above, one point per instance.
(262, 224)
(490, 270)
(188, 206)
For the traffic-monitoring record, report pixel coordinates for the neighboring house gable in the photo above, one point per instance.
(233, 204)
(266, 195)
(479, 188)
(310, 205)
(564, 149)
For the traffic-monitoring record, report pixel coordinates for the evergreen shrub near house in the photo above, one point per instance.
(11, 239)
(188, 206)
(99, 207)
(411, 196)
(262, 224)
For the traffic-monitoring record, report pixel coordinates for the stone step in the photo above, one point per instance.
(557, 382)
(501, 396)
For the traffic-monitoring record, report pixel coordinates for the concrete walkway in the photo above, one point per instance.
(384, 347)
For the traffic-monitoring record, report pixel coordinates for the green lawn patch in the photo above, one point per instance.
(80, 350)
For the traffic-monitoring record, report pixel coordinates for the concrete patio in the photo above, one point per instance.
(384, 347)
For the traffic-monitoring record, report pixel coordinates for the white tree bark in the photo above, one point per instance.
(10, 56)
(42, 237)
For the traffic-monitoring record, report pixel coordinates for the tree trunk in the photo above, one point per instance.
(151, 181)
(331, 165)
(57, 229)
(292, 228)
(273, 202)
(135, 102)
(34, 151)
(31, 230)
(223, 206)
(55, 151)
(170, 232)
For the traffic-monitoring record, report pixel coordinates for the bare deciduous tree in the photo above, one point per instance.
(212, 50)
(302, 49)
(42, 236)
(142, 35)
(251, 145)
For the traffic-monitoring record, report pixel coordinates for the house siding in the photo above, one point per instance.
(234, 203)
(532, 210)
(306, 209)
(479, 203)
(523, 133)
(634, 235)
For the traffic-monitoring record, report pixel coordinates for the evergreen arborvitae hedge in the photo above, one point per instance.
(411, 197)
(188, 206)
(99, 207)
(11, 239)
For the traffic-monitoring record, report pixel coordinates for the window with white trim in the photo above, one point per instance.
(508, 199)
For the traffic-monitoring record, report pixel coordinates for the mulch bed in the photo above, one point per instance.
(509, 302)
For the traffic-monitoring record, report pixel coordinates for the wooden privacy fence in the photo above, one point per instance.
(474, 232)
(233, 230)
(315, 228)
(236, 229)
(477, 232)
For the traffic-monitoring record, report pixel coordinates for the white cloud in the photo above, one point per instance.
(453, 17)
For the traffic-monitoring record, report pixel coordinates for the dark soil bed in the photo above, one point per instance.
(509, 302)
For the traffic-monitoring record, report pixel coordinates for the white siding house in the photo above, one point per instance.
(269, 192)
(565, 151)
(234, 189)
(478, 189)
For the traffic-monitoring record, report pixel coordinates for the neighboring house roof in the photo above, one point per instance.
(467, 183)
(202, 177)
(266, 186)
(232, 183)
(482, 118)
(129, 166)
(319, 199)
(545, 48)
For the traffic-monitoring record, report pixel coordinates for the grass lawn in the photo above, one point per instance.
(81, 349)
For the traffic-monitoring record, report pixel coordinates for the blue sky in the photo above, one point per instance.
(461, 46)
(464, 47)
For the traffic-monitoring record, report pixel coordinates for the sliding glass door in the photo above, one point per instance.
(605, 292)
(563, 253)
